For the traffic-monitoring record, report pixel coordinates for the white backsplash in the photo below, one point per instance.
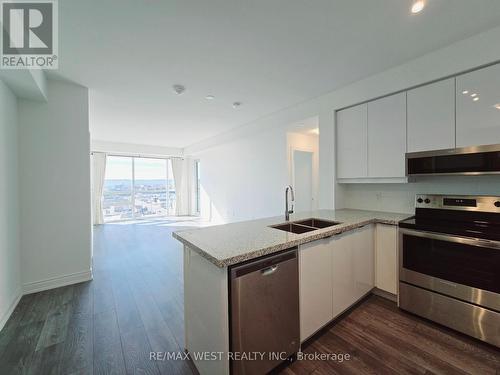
(401, 197)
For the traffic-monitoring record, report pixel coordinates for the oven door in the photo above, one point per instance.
(460, 267)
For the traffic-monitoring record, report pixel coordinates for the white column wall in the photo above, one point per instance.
(10, 270)
(54, 149)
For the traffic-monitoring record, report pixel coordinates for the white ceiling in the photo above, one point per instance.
(268, 54)
(306, 126)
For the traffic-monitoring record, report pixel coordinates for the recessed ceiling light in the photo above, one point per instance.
(475, 99)
(497, 106)
(236, 104)
(210, 97)
(465, 92)
(473, 95)
(179, 89)
(417, 6)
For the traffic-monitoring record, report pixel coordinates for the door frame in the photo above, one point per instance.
(315, 168)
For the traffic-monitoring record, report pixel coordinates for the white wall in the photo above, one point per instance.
(10, 272)
(54, 146)
(245, 179)
(401, 197)
(26, 83)
(456, 58)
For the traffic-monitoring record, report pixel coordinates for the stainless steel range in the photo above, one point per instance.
(449, 263)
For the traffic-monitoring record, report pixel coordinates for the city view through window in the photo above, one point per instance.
(136, 188)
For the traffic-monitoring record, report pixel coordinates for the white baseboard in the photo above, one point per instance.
(39, 286)
(56, 282)
(12, 306)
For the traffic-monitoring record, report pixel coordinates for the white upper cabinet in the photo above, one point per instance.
(478, 107)
(372, 138)
(387, 136)
(352, 135)
(431, 116)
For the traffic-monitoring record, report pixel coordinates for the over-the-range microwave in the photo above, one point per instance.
(477, 160)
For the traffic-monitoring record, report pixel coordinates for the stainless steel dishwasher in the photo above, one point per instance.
(264, 313)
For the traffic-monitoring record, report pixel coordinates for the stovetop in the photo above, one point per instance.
(466, 216)
(484, 230)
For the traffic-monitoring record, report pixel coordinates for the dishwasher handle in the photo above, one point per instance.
(269, 271)
(266, 265)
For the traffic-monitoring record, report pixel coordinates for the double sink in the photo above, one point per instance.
(304, 226)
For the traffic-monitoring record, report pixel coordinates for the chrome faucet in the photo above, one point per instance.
(287, 210)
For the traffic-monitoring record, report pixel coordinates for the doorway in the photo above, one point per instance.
(303, 162)
(303, 180)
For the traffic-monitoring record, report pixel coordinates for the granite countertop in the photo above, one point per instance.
(229, 244)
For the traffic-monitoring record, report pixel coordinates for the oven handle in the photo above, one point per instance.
(479, 242)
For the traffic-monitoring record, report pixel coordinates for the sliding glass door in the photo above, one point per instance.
(137, 188)
(150, 187)
(118, 189)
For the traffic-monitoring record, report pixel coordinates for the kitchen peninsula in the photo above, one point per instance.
(337, 266)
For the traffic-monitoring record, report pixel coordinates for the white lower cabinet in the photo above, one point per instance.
(343, 291)
(353, 267)
(364, 260)
(315, 265)
(386, 258)
(334, 273)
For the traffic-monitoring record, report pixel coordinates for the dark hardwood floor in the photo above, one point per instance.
(134, 306)
(381, 339)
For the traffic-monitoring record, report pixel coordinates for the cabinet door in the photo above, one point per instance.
(431, 116)
(343, 284)
(478, 121)
(386, 255)
(364, 260)
(353, 267)
(387, 136)
(315, 286)
(351, 142)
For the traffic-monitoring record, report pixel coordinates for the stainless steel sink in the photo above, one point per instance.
(293, 228)
(317, 223)
(304, 226)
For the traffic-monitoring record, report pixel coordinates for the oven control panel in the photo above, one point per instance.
(428, 201)
(458, 202)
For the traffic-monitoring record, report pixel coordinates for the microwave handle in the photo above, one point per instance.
(479, 242)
